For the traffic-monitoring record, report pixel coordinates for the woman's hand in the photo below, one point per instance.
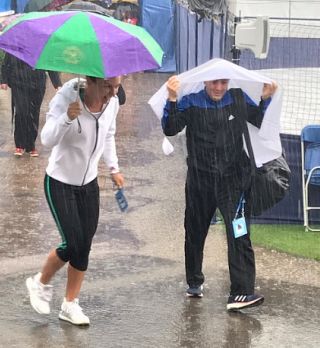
(118, 179)
(74, 110)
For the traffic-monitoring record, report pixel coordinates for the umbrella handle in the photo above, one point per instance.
(78, 89)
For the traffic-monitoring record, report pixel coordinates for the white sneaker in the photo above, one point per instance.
(40, 294)
(72, 312)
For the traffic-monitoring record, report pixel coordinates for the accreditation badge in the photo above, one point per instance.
(239, 227)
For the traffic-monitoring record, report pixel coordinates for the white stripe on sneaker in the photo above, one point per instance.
(243, 303)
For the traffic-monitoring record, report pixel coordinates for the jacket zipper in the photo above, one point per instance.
(94, 148)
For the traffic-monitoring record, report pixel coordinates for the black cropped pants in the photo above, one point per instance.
(75, 210)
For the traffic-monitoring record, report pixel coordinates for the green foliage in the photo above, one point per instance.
(291, 239)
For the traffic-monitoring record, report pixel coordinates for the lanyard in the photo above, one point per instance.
(240, 206)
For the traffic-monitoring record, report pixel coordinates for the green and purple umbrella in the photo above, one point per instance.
(81, 43)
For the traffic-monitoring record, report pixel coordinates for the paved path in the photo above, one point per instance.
(134, 290)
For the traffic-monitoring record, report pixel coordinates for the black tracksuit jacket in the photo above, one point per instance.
(213, 131)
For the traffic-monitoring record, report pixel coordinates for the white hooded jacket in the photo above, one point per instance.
(77, 146)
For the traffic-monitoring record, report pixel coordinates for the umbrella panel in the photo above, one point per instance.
(117, 48)
(82, 52)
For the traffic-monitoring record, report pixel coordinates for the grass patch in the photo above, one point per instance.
(291, 239)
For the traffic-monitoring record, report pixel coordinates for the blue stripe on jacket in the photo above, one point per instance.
(203, 101)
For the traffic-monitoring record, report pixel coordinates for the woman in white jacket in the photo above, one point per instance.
(79, 131)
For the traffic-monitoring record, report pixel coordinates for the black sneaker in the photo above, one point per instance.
(195, 291)
(238, 302)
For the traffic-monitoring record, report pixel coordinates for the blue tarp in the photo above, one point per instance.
(5, 5)
(20, 5)
(197, 41)
(285, 53)
(290, 209)
(17, 5)
(157, 17)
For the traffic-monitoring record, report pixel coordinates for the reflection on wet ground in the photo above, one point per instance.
(138, 301)
(134, 290)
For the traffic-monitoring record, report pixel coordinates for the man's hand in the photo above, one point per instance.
(3, 86)
(74, 110)
(269, 90)
(118, 179)
(173, 85)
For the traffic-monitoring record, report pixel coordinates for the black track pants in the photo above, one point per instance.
(75, 210)
(201, 203)
(27, 103)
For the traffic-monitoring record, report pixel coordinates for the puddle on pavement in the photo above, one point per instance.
(129, 307)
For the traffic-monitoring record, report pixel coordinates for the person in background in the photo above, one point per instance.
(218, 177)
(129, 17)
(121, 95)
(28, 87)
(80, 128)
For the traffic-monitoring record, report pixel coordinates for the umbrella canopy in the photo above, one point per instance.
(55, 5)
(129, 1)
(86, 6)
(38, 5)
(81, 43)
(104, 3)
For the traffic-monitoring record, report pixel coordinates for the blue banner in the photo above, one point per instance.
(157, 17)
(5, 5)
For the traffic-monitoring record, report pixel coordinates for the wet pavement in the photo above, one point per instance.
(134, 288)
